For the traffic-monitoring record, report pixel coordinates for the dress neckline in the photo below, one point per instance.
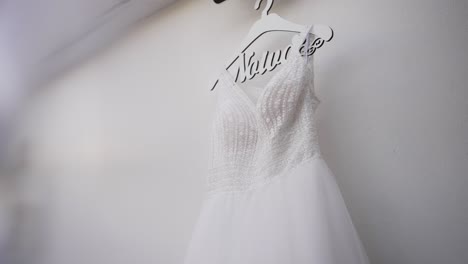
(295, 54)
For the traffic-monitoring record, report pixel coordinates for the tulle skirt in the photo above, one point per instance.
(300, 218)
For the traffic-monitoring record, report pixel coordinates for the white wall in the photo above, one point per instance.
(118, 145)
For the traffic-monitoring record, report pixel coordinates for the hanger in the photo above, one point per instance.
(270, 23)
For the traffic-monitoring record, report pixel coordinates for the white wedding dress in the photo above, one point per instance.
(271, 198)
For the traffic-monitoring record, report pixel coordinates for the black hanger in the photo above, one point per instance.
(219, 1)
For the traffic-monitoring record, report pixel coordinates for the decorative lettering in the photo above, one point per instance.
(248, 67)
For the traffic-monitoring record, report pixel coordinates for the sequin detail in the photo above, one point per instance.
(253, 143)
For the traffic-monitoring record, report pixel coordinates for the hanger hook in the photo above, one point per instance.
(267, 8)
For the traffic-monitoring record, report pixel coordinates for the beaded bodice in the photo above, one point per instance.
(255, 142)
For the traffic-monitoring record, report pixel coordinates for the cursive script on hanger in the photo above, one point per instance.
(248, 67)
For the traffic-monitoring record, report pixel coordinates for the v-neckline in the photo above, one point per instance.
(255, 105)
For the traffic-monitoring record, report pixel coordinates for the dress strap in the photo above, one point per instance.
(306, 50)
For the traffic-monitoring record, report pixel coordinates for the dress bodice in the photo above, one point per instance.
(255, 142)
